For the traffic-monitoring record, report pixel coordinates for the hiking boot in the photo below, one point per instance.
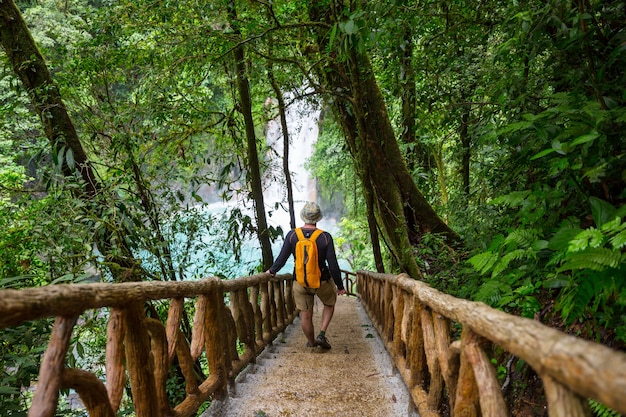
(309, 345)
(322, 341)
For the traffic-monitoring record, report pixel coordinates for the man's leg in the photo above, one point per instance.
(306, 318)
(304, 303)
(327, 315)
(328, 296)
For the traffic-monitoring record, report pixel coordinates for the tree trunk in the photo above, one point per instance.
(254, 173)
(466, 154)
(30, 67)
(283, 125)
(404, 212)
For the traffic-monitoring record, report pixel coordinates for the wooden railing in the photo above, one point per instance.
(258, 309)
(415, 322)
(248, 311)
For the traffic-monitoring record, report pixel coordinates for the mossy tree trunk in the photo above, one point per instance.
(402, 209)
(31, 68)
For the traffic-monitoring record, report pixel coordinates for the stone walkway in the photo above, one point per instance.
(354, 378)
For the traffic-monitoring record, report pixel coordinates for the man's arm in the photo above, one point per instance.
(284, 254)
(333, 265)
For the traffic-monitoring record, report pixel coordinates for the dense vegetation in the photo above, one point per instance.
(477, 145)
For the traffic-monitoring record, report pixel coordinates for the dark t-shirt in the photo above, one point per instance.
(325, 250)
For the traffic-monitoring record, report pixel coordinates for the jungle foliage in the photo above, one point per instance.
(510, 119)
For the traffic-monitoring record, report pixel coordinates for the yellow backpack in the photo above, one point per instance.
(308, 273)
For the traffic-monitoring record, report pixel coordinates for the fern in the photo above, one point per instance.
(596, 259)
(619, 240)
(522, 237)
(576, 300)
(483, 261)
(491, 292)
(516, 255)
(589, 237)
(601, 410)
(514, 199)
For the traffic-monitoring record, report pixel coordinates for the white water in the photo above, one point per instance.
(302, 124)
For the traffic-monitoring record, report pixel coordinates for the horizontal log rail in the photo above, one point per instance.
(415, 322)
(258, 309)
(249, 311)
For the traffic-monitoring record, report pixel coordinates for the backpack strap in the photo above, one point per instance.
(314, 235)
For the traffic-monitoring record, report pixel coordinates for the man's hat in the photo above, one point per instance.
(311, 213)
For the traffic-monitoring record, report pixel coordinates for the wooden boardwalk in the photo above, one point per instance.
(354, 378)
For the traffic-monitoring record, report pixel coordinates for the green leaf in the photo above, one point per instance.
(560, 240)
(597, 259)
(351, 28)
(69, 158)
(559, 147)
(591, 237)
(483, 261)
(333, 35)
(558, 281)
(80, 349)
(619, 240)
(602, 211)
(585, 138)
(8, 390)
(542, 153)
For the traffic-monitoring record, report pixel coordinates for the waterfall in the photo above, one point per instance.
(211, 253)
(302, 125)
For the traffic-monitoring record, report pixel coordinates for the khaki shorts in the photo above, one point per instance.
(304, 297)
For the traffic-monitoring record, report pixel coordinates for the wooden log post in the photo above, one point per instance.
(174, 316)
(416, 356)
(280, 305)
(46, 396)
(435, 390)
(230, 338)
(387, 309)
(249, 323)
(441, 327)
(258, 317)
(466, 403)
(562, 402)
(91, 391)
(159, 349)
(215, 338)
(244, 320)
(291, 306)
(186, 363)
(139, 362)
(237, 315)
(405, 324)
(114, 362)
(490, 394)
(265, 310)
(272, 304)
(197, 332)
(398, 308)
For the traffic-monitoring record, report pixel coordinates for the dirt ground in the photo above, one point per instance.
(354, 378)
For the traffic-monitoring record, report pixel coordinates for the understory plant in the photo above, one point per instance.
(564, 246)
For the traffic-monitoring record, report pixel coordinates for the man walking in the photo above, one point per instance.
(329, 288)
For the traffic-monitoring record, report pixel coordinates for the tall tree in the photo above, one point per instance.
(404, 212)
(31, 68)
(253, 168)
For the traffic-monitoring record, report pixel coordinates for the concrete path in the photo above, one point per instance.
(354, 378)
